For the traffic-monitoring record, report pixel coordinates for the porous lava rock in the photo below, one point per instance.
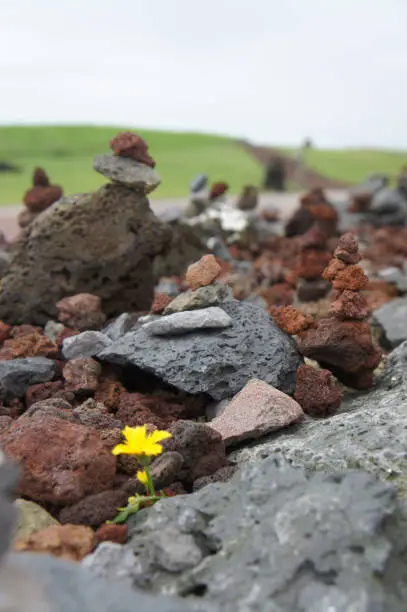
(81, 312)
(129, 144)
(317, 391)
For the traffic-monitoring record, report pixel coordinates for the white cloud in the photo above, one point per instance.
(334, 70)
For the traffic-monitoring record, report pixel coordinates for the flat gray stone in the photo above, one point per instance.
(189, 321)
(255, 411)
(212, 295)
(86, 344)
(120, 326)
(17, 375)
(277, 539)
(216, 362)
(128, 172)
(392, 319)
(369, 433)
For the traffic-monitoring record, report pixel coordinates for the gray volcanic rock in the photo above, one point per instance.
(274, 539)
(86, 344)
(127, 172)
(392, 320)
(102, 243)
(186, 247)
(17, 375)
(219, 363)
(369, 433)
(189, 321)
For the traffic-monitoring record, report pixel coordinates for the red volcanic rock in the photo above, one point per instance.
(161, 301)
(81, 312)
(314, 238)
(135, 409)
(18, 331)
(347, 249)
(81, 375)
(350, 305)
(5, 422)
(128, 144)
(42, 194)
(300, 222)
(344, 347)
(112, 533)
(280, 294)
(290, 320)
(72, 542)
(44, 391)
(61, 462)
(360, 203)
(30, 345)
(334, 267)
(202, 272)
(317, 391)
(218, 189)
(352, 277)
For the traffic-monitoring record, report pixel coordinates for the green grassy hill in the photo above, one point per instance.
(66, 154)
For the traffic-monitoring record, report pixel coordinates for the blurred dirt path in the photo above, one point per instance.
(285, 203)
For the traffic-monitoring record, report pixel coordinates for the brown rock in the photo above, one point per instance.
(312, 291)
(112, 533)
(217, 189)
(350, 305)
(129, 144)
(161, 301)
(56, 407)
(108, 393)
(18, 331)
(290, 320)
(311, 263)
(222, 475)
(255, 411)
(81, 375)
(352, 277)
(203, 272)
(201, 447)
(135, 409)
(61, 462)
(317, 391)
(347, 249)
(94, 510)
(280, 294)
(72, 542)
(30, 345)
(81, 312)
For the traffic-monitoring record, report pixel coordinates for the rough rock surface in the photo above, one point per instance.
(203, 272)
(81, 312)
(370, 431)
(64, 541)
(212, 295)
(219, 363)
(18, 375)
(334, 542)
(61, 462)
(186, 246)
(255, 411)
(31, 518)
(54, 585)
(126, 171)
(56, 257)
(317, 391)
(189, 321)
(392, 320)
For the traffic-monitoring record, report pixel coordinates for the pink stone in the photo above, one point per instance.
(255, 411)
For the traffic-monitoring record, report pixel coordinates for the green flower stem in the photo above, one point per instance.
(132, 508)
(149, 485)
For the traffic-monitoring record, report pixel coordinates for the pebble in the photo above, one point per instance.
(183, 322)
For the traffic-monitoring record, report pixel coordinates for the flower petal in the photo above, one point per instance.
(142, 476)
(159, 435)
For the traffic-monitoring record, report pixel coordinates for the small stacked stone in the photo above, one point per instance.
(342, 342)
(217, 190)
(314, 207)
(130, 165)
(39, 197)
(311, 263)
(249, 197)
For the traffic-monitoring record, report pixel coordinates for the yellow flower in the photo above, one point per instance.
(142, 476)
(139, 442)
(131, 500)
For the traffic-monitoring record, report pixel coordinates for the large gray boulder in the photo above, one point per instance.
(102, 243)
(391, 318)
(369, 433)
(219, 363)
(272, 539)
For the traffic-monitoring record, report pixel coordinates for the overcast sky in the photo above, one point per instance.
(273, 71)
